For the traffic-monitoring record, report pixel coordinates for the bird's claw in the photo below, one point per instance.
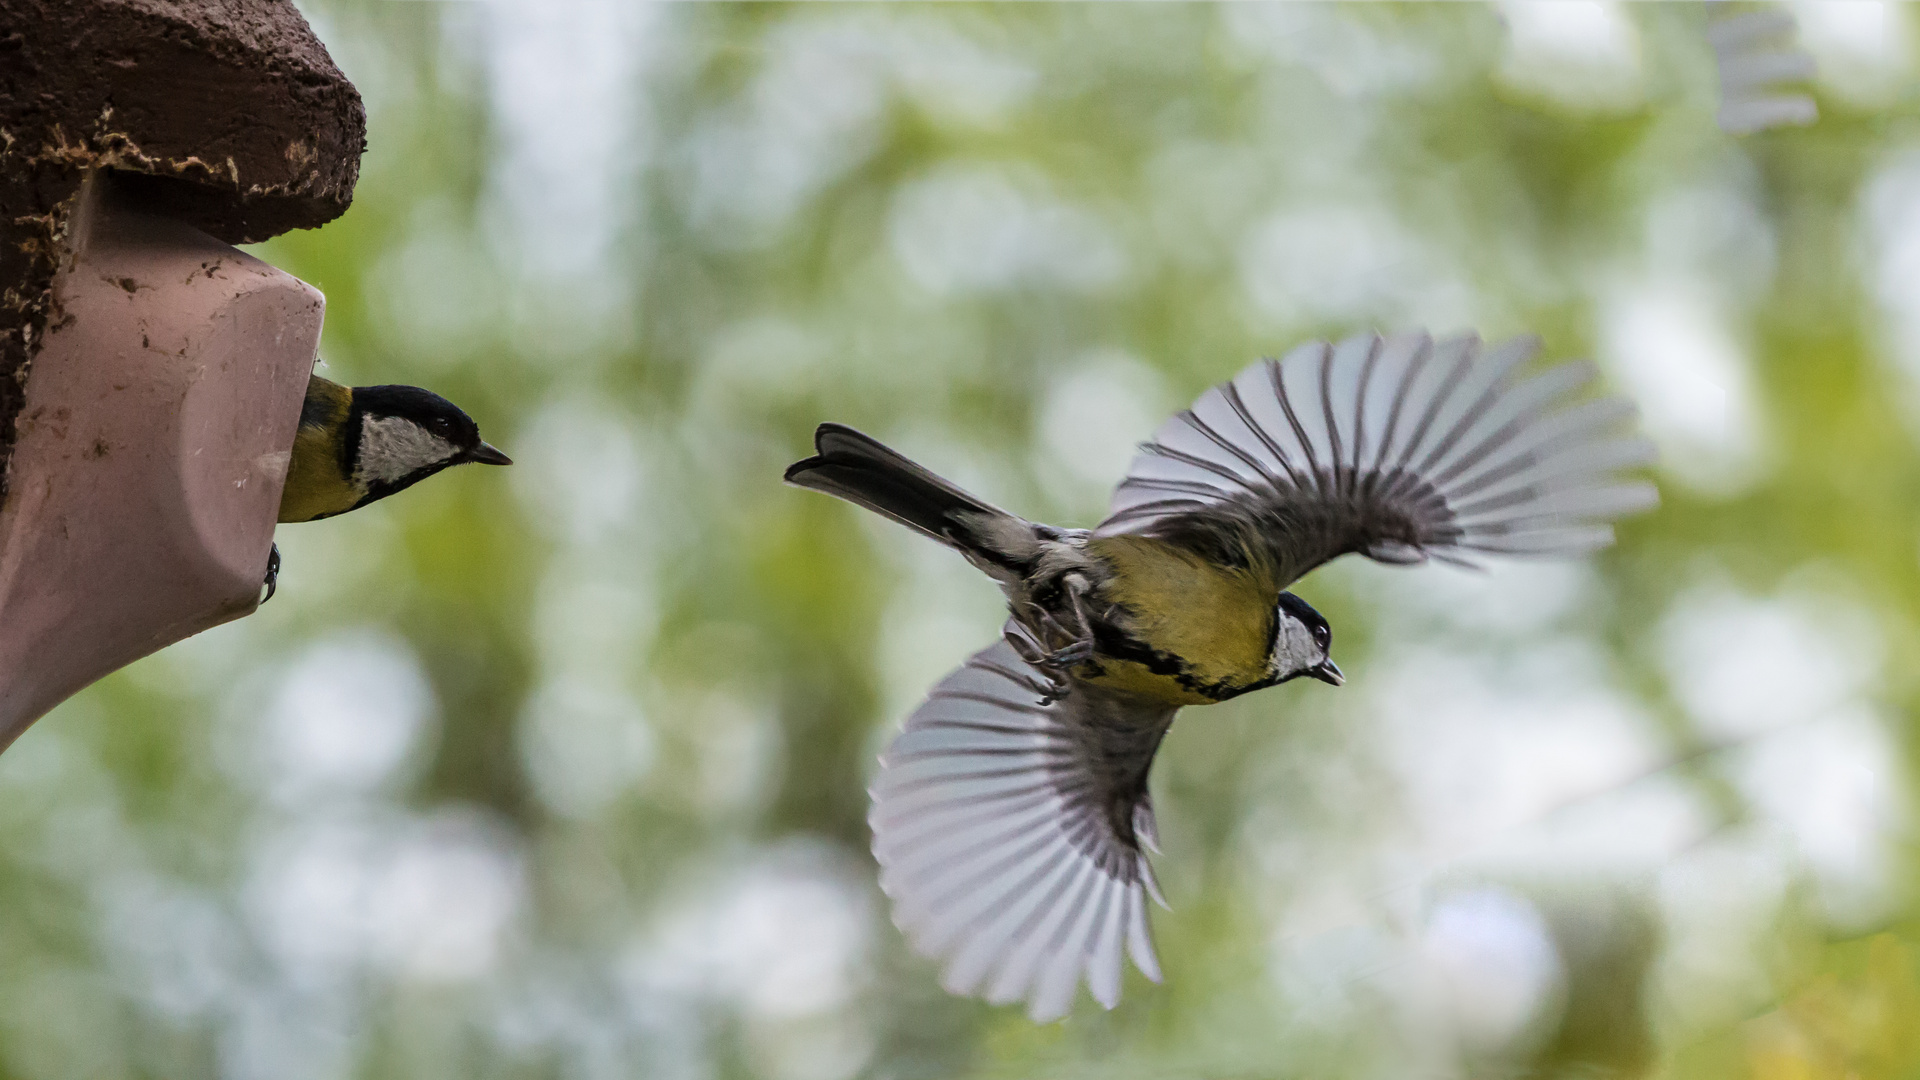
(1072, 655)
(272, 582)
(1055, 664)
(1051, 664)
(1023, 643)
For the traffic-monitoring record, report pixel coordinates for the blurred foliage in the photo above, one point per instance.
(1855, 1021)
(560, 771)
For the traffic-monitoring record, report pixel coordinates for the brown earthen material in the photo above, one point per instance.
(151, 451)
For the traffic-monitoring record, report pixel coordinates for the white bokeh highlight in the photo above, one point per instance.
(780, 938)
(564, 80)
(1744, 665)
(1579, 55)
(1862, 48)
(1888, 244)
(584, 746)
(973, 228)
(1492, 961)
(1675, 356)
(345, 718)
(425, 899)
(1093, 416)
(1348, 263)
(813, 111)
(1786, 685)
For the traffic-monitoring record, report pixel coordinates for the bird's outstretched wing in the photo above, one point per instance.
(1009, 834)
(1397, 448)
(1756, 54)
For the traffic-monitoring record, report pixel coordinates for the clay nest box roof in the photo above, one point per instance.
(226, 114)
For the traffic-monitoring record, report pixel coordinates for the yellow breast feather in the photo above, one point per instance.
(317, 485)
(1216, 621)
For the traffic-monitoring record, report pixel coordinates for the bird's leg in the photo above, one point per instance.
(1053, 646)
(272, 582)
(1078, 631)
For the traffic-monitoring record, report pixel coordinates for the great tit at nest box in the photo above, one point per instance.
(1010, 816)
(360, 444)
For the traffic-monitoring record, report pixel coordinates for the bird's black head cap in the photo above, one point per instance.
(399, 435)
(436, 414)
(1305, 612)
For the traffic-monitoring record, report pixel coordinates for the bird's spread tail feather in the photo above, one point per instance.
(861, 470)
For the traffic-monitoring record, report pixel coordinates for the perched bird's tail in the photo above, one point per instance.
(861, 470)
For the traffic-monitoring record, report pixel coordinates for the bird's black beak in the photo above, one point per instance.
(1328, 673)
(487, 455)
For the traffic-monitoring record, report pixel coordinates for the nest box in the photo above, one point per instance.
(151, 373)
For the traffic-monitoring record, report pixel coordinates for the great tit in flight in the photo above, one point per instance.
(359, 444)
(1010, 816)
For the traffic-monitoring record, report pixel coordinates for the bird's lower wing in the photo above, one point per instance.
(1396, 448)
(1009, 834)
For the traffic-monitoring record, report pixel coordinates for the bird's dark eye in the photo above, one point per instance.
(440, 425)
(1322, 636)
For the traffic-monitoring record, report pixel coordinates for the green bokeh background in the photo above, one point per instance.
(559, 771)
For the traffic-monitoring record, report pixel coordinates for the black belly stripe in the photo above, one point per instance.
(1112, 643)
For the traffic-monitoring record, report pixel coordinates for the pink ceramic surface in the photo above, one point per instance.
(151, 452)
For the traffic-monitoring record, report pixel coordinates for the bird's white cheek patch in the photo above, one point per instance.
(1296, 650)
(392, 449)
